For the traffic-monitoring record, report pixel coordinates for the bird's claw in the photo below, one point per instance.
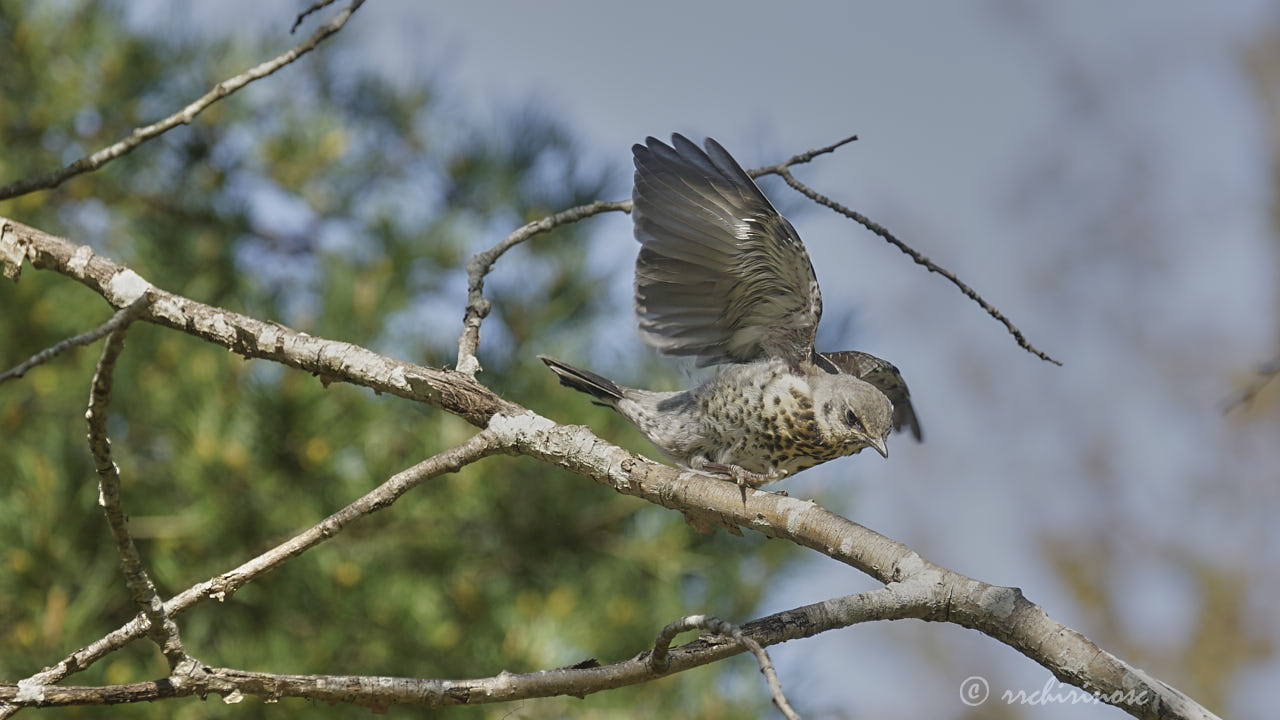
(743, 477)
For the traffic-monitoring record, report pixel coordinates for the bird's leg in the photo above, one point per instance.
(744, 477)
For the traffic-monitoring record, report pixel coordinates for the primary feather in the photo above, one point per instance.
(721, 275)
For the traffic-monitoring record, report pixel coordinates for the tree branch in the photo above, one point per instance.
(329, 359)
(316, 6)
(219, 588)
(800, 159)
(918, 595)
(184, 116)
(481, 263)
(783, 170)
(121, 318)
(161, 627)
(660, 660)
(579, 680)
(920, 259)
(1001, 613)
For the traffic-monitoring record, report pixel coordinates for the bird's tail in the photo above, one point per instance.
(606, 391)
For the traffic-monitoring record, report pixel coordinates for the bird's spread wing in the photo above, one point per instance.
(884, 376)
(721, 275)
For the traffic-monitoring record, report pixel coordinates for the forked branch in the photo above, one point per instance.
(122, 317)
(223, 586)
(481, 263)
(660, 659)
(578, 680)
(160, 627)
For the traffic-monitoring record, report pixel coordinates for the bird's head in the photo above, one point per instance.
(852, 412)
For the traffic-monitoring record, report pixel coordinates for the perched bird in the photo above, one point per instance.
(723, 277)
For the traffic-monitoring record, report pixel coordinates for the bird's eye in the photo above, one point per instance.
(850, 419)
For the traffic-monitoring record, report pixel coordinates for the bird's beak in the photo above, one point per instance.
(878, 444)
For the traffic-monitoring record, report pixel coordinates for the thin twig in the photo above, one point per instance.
(478, 446)
(783, 170)
(1265, 374)
(660, 661)
(184, 116)
(315, 7)
(880, 230)
(122, 317)
(800, 159)
(482, 262)
(160, 627)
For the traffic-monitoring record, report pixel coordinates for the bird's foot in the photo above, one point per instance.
(744, 477)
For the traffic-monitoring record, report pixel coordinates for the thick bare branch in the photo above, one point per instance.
(330, 359)
(219, 588)
(160, 627)
(920, 594)
(1001, 613)
(184, 116)
(122, 317)
(578, 680)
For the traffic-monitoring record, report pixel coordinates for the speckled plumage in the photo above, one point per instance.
(723, 277)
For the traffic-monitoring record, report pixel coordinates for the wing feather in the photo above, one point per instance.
(721, 275)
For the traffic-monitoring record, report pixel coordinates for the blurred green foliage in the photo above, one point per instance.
(343, 206)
